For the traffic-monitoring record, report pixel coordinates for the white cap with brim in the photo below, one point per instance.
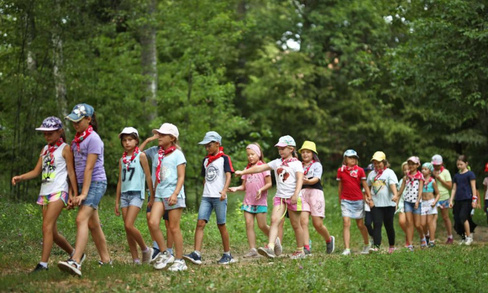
(129, 130)
(286, 141)
(167, 128)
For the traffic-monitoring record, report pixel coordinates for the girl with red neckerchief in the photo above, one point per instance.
(133, 171)
(88, 150)
(55, 163)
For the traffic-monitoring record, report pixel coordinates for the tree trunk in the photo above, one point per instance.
(58, 61)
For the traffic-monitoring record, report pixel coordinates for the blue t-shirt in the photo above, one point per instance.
(133, 178)
(169, 175)
(463, 185)
(152, 154)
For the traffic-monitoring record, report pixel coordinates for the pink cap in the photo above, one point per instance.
(414, 159)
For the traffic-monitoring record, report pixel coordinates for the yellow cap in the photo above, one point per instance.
(308, 145)
(379, 156)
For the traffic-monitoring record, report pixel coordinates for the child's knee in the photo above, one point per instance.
(201, 224)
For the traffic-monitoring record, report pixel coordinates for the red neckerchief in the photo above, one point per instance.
(417, 176)
(128, 161)
(212, 158)
(79, 137)
(427, 182)
(161, 154)
(285, 162)
(353, 171)
(379, 172)
(52, 148)
(305, 171)
(442, 169)
(257, 164)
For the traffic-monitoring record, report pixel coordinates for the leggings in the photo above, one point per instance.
(368, 222)
(462, 213)
(383, 215)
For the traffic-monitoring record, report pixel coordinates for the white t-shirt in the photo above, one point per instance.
(215, 175)
(380, 188)
(286, 177)
(169, 175)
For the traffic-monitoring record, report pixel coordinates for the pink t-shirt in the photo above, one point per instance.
(253, 183)
(351, 182)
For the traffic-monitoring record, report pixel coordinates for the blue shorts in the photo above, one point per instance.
(410, 208)
(208, 204)
(95, 193)
(131, 198)
(254, 209)
(443, 204)
(353, 209)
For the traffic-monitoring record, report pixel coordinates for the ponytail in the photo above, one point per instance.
(94, 123)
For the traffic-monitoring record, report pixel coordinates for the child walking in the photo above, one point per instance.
(413, 183)
(55, 163)
(463, 199)
(430, 197)
(313, 201)
(255, 205)
(217, 169)
(87, 148)
(485, 192)
(170, 196)
(351, 177)
(400, 206)
(444, 184)
(289, 179)
(133, 171)
(383, 182)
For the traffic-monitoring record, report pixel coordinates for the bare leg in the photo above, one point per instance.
(251, 236)
(346, 226)
(50, 234)
(154, 222)
(174, 227)
(98, 237)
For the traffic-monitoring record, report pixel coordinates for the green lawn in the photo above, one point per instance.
(443, 268)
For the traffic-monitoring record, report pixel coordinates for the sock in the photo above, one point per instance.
(44, 264)
(307, 247)
(155, 245)
(170, 250)
(423, 240)
(449, 236)
(347, 249)
(227, 253)
(329, 241)
(271, 245)
(137, 261)
(145, 250)
(300, 249)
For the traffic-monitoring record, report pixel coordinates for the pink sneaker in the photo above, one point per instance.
(391, 250)
(450, 241)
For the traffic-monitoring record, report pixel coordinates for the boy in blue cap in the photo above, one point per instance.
(217, 169)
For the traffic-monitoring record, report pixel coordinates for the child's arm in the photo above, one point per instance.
(241, 187)
(266, 186)
(475, 193)
(298, 188)
(118, 192)
(419, 197)
(400, 192)
(453, 194)
(91, 159)
(339, 189)
(147, 172)
(29, 175)
(148, 140)
(68, 157)
(393, 188)
(255, 169)
(367, 193)
(310, 181)
(223, 193)
(436, 193)
(181, 169)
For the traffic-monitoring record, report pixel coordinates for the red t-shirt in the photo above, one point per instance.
(351, 182)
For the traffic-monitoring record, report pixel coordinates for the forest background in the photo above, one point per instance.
(404, 77)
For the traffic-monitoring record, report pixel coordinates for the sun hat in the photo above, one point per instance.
(350, 153)
(80, 111)
(167, 128)
(308, 145)
(129, 130)
(437, 160)
(286, 141)
(210, 137)
(379, 156)
(414, 159)
(428, 166)
(50, 124)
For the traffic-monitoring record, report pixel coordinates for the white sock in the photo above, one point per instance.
(44, 264)
(227, 253)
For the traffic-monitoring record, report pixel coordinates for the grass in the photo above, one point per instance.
(443, 268)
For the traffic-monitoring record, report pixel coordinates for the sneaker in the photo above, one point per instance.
(147, 255)
(178, 265)
(39, 268)
(462, 242)
(307, 252)
(468, 241)
(101, 263)
(226, 259)
(194, 258)
(267, 252)
(83, 257)
(410, 248)
(427, 238)
(252, 253)
(278, 249)
(423, 244)
(450, 241)
(346, 252)
(299, 254)
(391, 250)
(366, 249)
(163, 260)
(155, 254)
(71, 267)
(374, 249)
(331, 245)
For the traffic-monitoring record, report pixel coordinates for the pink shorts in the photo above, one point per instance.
(313, 202)
(46, 199)
(287, 202)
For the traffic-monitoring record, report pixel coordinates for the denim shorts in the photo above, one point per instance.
(95, 193)
(443, 204)
(410, 208)
(180, 204)
(208, 204)
(353, 209)
(131, 198)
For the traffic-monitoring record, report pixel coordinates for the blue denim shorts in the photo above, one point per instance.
(95, 193)
(353, 209)
(131, 198)
(410, 208)
(208, 204)
(443, 204)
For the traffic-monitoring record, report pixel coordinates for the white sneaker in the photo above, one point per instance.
(164, 259)
(178, 265)
(462, 242)
(278, 249)
(252, 253)
(468, 240)
(146, 256)
(346, 252)
(366, 249)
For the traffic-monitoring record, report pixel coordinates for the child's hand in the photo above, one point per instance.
(150, 202)
(16, 179)
(371, 203)
(433, 205)
(117, 212)
(232, 189)
(450, 204)
(238, 173)
(416, 205)
(173, 199)
(258, 194)
(395, 199)
(294, 199)
(223, 195)
(154, 137)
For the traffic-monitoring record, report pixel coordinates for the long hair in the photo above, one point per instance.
(94, 123)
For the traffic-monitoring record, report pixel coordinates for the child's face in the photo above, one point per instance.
(437, 167)
(128, 142)
(285, 152)
(405, 169)
(425, 171)
(165, 140)
(307, 156)
(378, 165)
(412, 167)
(351, 161)
(252, 157)
(52, 137)
(461, 165)
(212, 148)
(82, 125)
